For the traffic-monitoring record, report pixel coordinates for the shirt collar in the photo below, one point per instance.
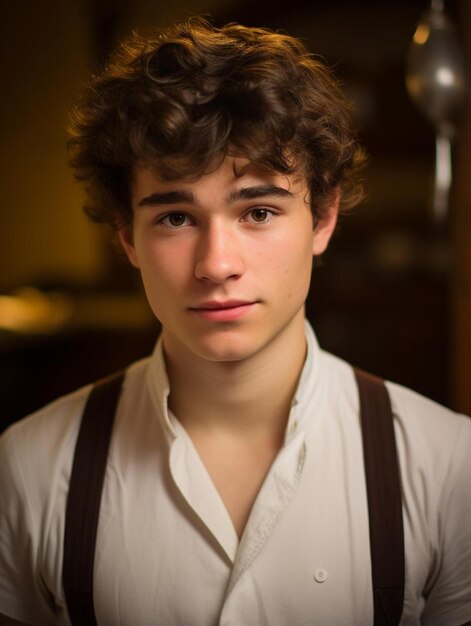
(159, 386)
(309, 395)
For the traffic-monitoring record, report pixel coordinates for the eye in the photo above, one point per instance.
(259, 215)
(174, 220)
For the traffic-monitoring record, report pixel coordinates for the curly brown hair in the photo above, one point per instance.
(184, 100)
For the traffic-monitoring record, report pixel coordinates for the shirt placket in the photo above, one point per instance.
(274, 497)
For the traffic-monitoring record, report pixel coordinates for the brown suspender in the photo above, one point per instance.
(382, 483)
(383, 487)
(83, 501)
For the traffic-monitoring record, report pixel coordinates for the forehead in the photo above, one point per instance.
(231, 173)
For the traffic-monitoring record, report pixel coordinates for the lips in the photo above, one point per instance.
(223, 311)
(214, 305)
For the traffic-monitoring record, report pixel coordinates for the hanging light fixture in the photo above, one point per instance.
(436, 82)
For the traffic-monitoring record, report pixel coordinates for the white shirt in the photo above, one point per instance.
(167, 553)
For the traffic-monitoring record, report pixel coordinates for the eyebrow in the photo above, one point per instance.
(168, 197)
(259, 191)
(245, 193)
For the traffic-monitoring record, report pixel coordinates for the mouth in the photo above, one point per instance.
(226, 311)
(215, 305)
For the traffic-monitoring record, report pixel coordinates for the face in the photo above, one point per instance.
(225, 259)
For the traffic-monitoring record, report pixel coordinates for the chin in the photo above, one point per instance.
(223, 350)
(224, 355)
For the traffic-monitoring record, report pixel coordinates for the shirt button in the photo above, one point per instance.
(320, 576)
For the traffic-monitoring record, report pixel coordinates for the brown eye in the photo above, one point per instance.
(176, 219)
(259, 215)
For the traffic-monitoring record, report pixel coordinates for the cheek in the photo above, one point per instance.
(286, 271)
(159, 266)
(292, 260)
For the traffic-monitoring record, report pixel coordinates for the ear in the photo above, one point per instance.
(325, 226)
(127, 241)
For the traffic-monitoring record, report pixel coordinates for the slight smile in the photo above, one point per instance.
(227, 311)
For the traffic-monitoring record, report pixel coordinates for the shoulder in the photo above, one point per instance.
(433, 441)
(428, 434)
(38, 449)
(420, 421)
(411, 405)
(60, 417)
(438, 436)
(39, 439)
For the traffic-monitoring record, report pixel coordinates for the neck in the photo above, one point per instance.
(249, 398)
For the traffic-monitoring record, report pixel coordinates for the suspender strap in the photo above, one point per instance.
(83, 503)
(384, 500)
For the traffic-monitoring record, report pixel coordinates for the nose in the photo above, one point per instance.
(219, 255)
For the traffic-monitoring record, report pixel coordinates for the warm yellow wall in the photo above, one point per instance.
(44, 234)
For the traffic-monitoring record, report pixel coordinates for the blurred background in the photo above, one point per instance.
(393, 293)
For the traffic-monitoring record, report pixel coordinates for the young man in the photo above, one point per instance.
(235, 489)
